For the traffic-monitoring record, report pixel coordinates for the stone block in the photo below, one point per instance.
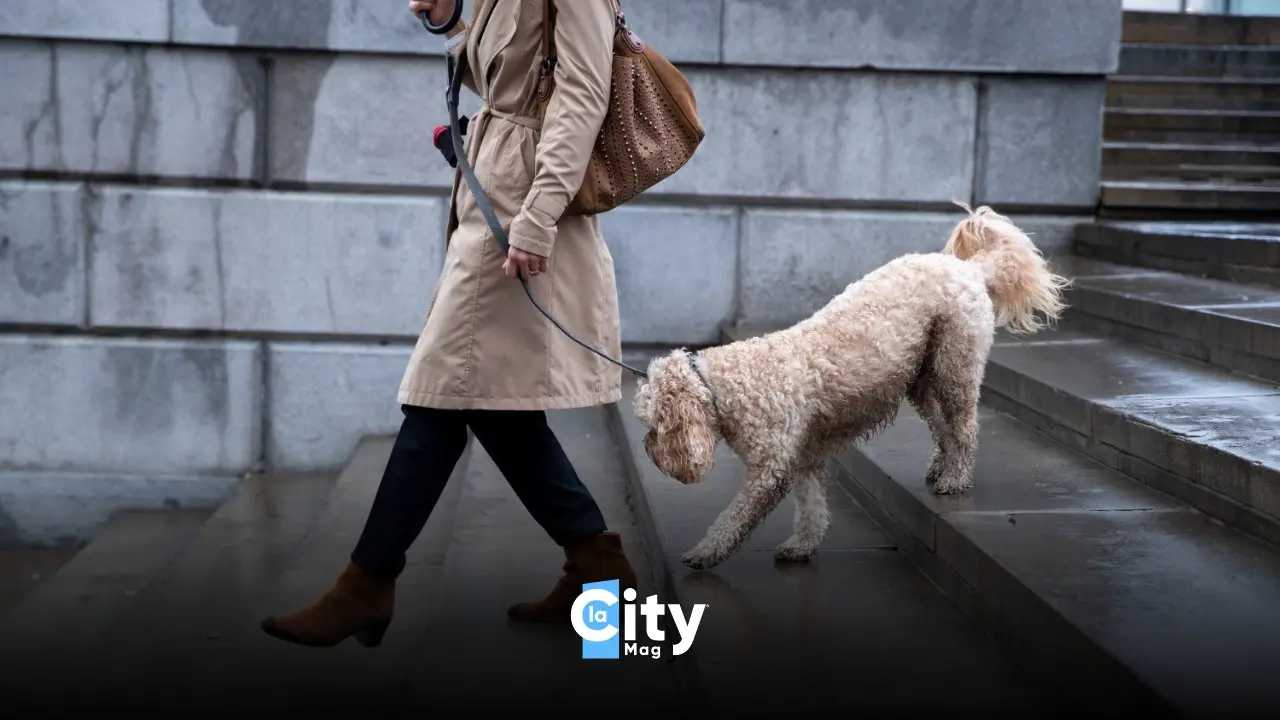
(324, 398)
(106, 406)
(795, 261)
(872, 137)
(1023, 36)
(682, 30)
(43, 510)
(836, 136)
(29, 124)
(126, 20)
(341, 25)
(42, 239)
(1041, 141)
(1053, 235)
(359, 120)
(676, 271)
(131, 110)
(268, 262)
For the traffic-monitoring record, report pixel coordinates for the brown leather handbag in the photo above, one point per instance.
(650, 130)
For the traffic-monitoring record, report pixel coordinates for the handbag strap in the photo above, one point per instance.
(546, 71)
(546, 76)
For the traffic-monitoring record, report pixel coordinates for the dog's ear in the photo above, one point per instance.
(681, 440)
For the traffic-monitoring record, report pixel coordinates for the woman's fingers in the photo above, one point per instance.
(523, 265)
(420, 6)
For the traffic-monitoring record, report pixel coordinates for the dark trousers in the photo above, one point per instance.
(429, 445)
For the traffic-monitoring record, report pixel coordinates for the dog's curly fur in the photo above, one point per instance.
(920, 326)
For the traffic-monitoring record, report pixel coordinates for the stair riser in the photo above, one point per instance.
(1197, 29)
(1220, 341)
(1193, 137)
(1193, 96)
(1139, 157)
(1199, 62)
(1252, 201)
(1218, 270)
(1192, 248)
(1243, 176)
(1119, 122)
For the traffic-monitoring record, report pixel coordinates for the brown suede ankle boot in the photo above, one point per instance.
(595, 558)
(358, 604)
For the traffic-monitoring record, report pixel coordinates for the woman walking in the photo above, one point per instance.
(485, 358)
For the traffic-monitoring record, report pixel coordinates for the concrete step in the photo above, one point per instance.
(208, 592)
(1204, 135)
(1233, 175)
(498, 555)
(1215, 197)
(242, 668)
(1239, 252)
(1260, 61)
(63, 616)
(451, 647)
(1185, 428)
(856, 586)
(1168, 93)
(22, 571)
(1077, 563)
(1199, 29)
(1226, 324)
(1152, 154)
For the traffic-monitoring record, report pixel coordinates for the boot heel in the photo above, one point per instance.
(370, 636)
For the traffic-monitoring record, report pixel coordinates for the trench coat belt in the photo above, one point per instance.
(523, 120)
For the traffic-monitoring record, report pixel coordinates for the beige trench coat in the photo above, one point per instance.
(483, 344)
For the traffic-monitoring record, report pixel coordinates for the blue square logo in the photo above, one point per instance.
(595, 617)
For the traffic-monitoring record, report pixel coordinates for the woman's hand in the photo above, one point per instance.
(438, 11)
(522, 264)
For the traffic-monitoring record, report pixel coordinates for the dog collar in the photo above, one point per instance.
(693, 364)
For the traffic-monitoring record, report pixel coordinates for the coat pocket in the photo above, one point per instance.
(507, 154)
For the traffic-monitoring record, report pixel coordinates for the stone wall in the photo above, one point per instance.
(221, 220)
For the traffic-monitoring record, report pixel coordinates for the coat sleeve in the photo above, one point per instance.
(583, 38)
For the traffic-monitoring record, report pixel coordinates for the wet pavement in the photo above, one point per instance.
(857, 629)
(1202, 423)
(189, 635)
(1228, 324)
(1241, 252)
(22, 571)
(1102, 571)
(1056, 586)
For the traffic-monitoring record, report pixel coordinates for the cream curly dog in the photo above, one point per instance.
(920, 326)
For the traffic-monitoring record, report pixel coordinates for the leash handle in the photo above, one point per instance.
(445, 27)
(456, 71)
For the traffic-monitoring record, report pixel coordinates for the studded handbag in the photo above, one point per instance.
(650, 130)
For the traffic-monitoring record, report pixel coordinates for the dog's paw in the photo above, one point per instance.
(950, 486)
(792, 552)
(935, 470)
(699, 560)
(931, 475)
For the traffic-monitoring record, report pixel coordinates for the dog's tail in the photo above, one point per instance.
(1018, 279)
